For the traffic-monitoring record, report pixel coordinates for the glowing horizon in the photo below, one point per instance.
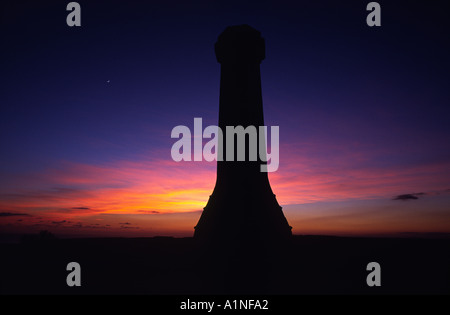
(83, 197)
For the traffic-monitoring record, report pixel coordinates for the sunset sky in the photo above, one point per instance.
(86, 115)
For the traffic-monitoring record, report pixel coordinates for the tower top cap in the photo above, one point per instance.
(240, 44)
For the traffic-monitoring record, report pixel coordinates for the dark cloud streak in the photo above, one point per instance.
(12, 214)
(149, 211)
(406, 197)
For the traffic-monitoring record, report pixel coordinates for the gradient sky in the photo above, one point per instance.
(86, 114)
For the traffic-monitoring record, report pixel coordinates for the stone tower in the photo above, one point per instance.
(242, 206)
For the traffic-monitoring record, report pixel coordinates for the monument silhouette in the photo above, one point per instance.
(242, 207)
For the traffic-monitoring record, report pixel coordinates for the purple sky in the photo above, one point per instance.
(363, 112)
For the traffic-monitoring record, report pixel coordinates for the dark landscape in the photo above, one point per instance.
(165, 265)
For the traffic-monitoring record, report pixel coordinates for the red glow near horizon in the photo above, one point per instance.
(166, 197)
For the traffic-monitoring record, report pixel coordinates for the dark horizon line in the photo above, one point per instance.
(8, 238)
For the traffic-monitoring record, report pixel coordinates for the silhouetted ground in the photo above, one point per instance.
(309, 265)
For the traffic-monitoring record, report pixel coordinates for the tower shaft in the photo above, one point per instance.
(242, 205)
